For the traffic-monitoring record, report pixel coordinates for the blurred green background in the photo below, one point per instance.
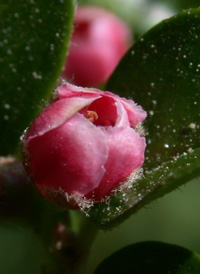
(172, 219)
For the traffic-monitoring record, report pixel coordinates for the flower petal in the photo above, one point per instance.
(57, 113)
(126, 154)
(70, 157)
(135, 112)
(122, 118)
(106, 109)
(68, 90)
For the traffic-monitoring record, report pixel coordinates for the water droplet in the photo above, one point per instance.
(192, 125)
(132, 52)
(36, 75)
(6, 117)
(9, 51)
(190, 150)
(151, 112)
(6, 106)
(152, 85)
(52, 47)
(166, 145)
(154, 102)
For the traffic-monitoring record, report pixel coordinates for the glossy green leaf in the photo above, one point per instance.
(34, 38)
(151, 258)
(162, 73)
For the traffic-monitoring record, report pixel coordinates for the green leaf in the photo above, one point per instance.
(179, 4)
(34, 39)
(162, 73)
(151, 258)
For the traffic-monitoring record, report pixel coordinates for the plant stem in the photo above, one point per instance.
(72, 243)
(86, 236)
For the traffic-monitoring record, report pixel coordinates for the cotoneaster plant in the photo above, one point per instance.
(87, 150)
(84, 145)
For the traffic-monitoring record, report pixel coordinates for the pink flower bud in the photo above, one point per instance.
(84, 144)
(99, 41)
